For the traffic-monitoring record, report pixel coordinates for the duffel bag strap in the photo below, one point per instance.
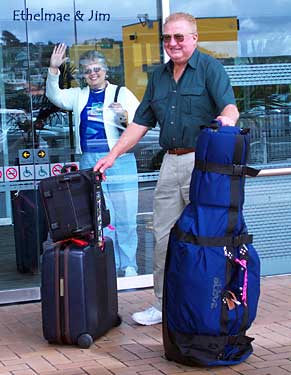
(228, 169)
(207, 349)
(242, 262)
(229, 241)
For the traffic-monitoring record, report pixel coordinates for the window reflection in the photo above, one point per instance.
(29, 122)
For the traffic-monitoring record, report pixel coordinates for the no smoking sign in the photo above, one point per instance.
(56, 168)
(11, 173)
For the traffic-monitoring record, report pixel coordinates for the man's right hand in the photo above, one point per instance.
(131, 135)
(104, 163)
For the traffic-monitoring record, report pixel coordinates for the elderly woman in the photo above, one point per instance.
(97, 119)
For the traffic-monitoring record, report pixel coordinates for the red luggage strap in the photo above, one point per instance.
(79, 242)
(75, 241)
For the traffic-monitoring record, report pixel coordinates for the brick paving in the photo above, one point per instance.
(136, 350)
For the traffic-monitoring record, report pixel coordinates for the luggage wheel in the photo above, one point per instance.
(118, 321)
(85, 341)
(167, 357)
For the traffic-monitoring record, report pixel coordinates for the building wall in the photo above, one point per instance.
(251, 39)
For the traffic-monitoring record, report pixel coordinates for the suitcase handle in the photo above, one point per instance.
(97, 176)
(66, 174)
(70, 177)
(69, 168)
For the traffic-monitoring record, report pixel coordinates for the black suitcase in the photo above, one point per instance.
(78, 292)
(30, 229)
(67, 200)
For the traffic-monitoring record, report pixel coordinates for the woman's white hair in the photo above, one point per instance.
(91, 57)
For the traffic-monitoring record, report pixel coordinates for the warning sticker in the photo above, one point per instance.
(11, 173)
(56, 168)
(41, 155)
(42, 171)
(27, 172)
(25, 156)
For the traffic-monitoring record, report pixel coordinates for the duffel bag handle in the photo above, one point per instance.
(215, 124)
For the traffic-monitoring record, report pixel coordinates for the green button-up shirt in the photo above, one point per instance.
(181, 107)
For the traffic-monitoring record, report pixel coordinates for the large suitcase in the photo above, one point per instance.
(67, 200)
(30, 229)
(212, 272)
(78, 292)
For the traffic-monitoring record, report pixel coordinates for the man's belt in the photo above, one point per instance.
(180, 151)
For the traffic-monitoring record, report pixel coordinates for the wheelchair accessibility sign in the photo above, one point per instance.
(26, 172)
(42, 171)
(34, 172)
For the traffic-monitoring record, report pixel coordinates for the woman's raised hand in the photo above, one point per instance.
(58, 56)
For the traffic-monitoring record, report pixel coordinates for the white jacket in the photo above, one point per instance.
(75, 99)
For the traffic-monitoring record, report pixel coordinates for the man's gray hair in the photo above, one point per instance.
(182, 16)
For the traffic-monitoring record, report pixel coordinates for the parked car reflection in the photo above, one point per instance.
(20, 130)
(270, 132)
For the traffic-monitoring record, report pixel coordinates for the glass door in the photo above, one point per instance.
(38, 137)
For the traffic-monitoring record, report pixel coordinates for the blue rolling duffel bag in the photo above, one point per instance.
(212, 271)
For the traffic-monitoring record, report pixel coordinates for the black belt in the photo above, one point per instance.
(180, 151)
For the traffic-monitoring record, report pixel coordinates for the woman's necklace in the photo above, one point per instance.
(98, 91)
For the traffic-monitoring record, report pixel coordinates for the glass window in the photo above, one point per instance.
(38, 136)
(252, 40)
(255, 51)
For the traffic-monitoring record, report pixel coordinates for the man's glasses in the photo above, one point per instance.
(96, 69)
(179, 38)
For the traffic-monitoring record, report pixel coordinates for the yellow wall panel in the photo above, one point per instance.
(141, 50)
(217, 29)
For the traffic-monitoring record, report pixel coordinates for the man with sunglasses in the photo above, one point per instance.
(190, 90)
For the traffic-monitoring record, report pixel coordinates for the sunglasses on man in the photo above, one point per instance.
(179, 38)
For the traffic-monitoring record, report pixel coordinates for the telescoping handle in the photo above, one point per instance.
(69, 167)
(97, 209)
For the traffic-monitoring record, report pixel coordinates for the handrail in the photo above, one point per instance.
(153, 176)
(274, 172)
(142, 177)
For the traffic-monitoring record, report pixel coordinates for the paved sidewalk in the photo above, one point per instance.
(131, 349)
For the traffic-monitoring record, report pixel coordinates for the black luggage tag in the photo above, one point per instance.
(97, 210)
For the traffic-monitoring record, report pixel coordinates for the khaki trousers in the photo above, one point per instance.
(170, 198)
